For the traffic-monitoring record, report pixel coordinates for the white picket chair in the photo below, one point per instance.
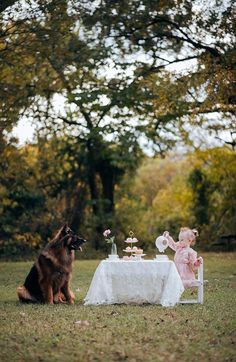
(199, 285)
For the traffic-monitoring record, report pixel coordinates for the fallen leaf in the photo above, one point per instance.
(82, 323)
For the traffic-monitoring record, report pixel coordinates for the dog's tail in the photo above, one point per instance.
(24, 295)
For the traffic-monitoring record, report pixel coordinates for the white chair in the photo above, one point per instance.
(199, 285)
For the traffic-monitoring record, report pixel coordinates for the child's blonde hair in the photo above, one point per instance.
(191, 234)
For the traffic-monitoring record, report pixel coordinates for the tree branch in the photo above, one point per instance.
(168, 34)
(153, 69)
(70, 122)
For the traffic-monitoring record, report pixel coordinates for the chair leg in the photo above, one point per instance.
(200, 294)
(200, 287)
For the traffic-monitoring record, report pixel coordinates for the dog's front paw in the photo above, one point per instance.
(59, 298)
(71, 299)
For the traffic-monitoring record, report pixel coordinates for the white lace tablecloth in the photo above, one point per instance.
(146, 281)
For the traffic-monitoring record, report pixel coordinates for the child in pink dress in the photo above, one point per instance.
(185, 258)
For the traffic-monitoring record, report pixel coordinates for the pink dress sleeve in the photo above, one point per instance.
(192, 255)
(171, 243)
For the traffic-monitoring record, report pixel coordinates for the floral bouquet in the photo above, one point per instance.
(110, 240)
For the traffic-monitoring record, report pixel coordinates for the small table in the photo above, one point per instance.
(135, 282)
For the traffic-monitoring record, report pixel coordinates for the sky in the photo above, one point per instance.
(24, 131)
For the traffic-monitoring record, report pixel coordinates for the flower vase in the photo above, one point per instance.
(113, 249)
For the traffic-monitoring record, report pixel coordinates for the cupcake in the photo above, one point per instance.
(139, 251)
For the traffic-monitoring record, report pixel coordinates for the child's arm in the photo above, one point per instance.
(193, 260)
(171, 243)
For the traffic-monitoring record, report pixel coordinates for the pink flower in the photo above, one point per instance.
(106, 233)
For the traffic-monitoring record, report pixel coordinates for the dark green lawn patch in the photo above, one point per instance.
(119, 332)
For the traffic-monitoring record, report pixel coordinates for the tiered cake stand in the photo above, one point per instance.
(133, 252)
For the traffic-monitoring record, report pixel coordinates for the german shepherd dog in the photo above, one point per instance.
(48, 279)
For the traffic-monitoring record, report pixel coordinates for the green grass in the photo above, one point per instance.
(119, 332)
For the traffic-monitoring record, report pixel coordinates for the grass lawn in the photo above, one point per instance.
(119, 332)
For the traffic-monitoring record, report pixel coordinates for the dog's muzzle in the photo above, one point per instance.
(77, 243)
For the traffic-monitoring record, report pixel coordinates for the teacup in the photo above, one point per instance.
(113, 256)
(162, 257)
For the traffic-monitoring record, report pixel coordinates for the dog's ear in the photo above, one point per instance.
(64, 229)
(61, 232)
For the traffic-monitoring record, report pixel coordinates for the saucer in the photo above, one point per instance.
(138, 255)
(113, 257)
(161, 258)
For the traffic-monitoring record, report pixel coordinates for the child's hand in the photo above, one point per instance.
(166, 234)
(198, 262)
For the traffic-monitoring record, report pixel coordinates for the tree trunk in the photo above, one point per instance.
(94, 195)
(77, 212)
(107, 179)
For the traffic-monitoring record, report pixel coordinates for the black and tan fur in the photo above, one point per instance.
(48, 279)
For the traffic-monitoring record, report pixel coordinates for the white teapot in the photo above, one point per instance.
(161, 243)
